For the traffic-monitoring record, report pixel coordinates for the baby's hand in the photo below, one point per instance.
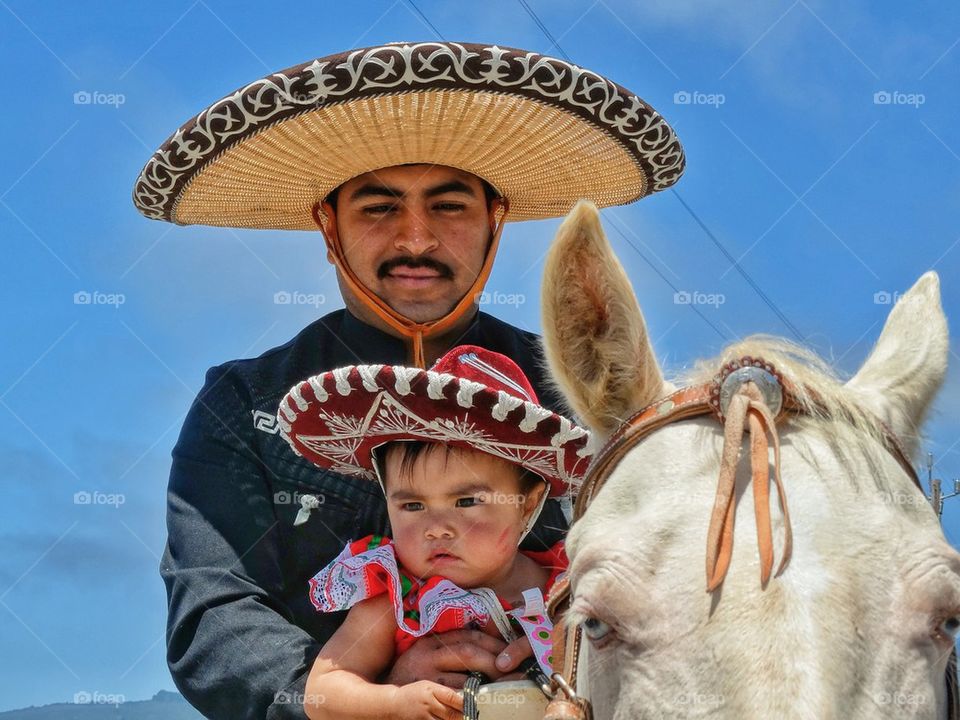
(425, 700)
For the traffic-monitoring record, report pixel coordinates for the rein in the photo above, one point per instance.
(746, 395)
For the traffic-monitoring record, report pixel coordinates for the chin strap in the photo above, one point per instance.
(325, 218)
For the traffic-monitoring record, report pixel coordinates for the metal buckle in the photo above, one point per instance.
(563, 685)
(735, 374)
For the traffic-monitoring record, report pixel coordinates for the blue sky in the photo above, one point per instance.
(832, 196)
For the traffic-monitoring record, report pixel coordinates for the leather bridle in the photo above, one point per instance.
(750, 392)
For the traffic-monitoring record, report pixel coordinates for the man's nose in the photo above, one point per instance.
(415, 236)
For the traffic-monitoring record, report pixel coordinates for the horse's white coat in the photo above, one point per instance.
(854, 626)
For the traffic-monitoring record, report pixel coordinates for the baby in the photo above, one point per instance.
(466, 458)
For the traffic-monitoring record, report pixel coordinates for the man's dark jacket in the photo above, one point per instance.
(241, 632)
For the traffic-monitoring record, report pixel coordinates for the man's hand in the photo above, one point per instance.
(511, 656)
(447, 657)
(425, 700)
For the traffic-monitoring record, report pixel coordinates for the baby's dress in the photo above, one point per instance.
(368, 567)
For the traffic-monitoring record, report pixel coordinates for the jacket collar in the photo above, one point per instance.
(364, 344)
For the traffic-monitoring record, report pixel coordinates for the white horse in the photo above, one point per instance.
(861, 621)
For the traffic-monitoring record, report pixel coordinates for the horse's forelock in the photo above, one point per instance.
(818, 388)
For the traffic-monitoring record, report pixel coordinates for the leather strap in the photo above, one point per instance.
(746, 406)
(325, 217)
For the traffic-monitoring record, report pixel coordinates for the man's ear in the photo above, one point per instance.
(325, 218)
(497, 210)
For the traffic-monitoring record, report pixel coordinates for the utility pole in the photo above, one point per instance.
(936, 491)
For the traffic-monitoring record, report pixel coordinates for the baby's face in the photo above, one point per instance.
(458, 514)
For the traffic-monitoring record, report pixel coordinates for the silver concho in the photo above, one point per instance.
(767, 383)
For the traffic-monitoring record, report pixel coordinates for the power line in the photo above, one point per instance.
(426, 19)
(672, 286)
(543, 29)
(743, 273)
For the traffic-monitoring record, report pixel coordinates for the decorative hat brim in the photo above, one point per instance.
(336, 419)
(545, 133)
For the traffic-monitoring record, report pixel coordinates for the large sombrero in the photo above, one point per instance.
(545, 133)
(471, 398)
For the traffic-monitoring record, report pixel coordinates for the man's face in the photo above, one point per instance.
(415, 235)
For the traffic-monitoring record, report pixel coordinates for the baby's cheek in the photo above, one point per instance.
(504, 541)
(495, 538)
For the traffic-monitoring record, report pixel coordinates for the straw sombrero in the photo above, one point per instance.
(545, 133)
(471, 398)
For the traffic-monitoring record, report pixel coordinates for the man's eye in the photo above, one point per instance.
(449, 206)
(378, 209)
(411, 506)
(469, 501)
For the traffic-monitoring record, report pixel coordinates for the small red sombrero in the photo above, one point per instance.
(471, 398)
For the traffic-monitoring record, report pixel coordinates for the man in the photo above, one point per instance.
(408, 158)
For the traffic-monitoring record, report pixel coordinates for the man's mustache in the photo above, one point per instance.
(411, 262)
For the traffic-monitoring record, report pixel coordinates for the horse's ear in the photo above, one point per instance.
(901, 376)
(594, 334)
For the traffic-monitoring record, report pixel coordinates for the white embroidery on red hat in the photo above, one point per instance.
(287, 411)
(505, 403)
(568, 431)
(403, 376)
(368, 375)
(532, 415)
(436, 382)
(316, 383)
(298, 398)
(342, 383)
(467, 390)
(475, 362)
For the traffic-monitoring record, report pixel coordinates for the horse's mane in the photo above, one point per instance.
(830, 400)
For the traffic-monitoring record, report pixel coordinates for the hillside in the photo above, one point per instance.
(162, 706)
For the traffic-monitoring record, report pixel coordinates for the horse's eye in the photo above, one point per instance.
(596, 629)
(950, 627)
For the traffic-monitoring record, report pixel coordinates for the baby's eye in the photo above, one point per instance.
(469, 501)
(411, 506)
